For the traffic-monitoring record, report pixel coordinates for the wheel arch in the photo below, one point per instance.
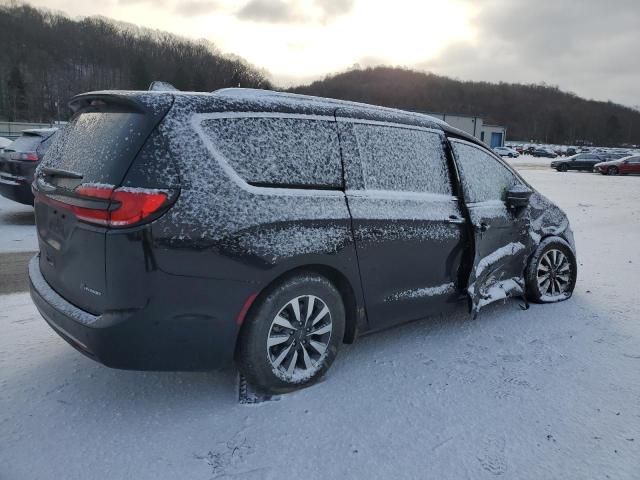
(337, 278)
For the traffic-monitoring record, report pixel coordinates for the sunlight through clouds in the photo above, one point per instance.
(299, 39)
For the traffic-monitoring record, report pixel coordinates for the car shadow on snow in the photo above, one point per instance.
(413, 349)
(17, 218)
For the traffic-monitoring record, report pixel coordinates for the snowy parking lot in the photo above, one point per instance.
(551, 392)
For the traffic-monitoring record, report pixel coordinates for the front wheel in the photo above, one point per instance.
(563, 168)
(613, 171)
(552, 272)
(291, 337)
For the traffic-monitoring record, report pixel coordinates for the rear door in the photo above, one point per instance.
(500, 235)
(95, 150)
(407, 224)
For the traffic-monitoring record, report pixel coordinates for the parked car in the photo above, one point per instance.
(506, 152)
(582, 161)
(18, 163)
(623, 166)
(4, 142)
(613, 156)
(180, 231)
(571, 151)
(541, 152)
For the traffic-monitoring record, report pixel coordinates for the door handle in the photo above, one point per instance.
(482, 227)
(456, 219)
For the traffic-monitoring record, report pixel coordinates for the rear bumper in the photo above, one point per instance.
(15, 181)
(15, 188)
(154, 337)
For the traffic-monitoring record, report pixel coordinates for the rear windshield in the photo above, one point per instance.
(25, 143)
(99, 145)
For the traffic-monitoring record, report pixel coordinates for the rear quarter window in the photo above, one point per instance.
(279, 152)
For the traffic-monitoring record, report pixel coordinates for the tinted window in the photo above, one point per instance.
(402, 159)
(98, 145)
(44, 146)
(279, 151)
(25, 143)
(483, 177)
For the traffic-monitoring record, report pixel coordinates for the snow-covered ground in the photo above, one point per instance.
(528, 161)
(17, 231)
(548, 393)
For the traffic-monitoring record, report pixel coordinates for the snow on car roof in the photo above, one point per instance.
(250, 98)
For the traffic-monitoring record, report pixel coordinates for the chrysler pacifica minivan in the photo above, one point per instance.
(178, 231)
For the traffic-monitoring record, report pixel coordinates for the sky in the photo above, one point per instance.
(588, 47)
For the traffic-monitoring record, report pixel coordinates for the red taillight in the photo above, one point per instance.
(26, 156)
(135, 204)
(115, 207)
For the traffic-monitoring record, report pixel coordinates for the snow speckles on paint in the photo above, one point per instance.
(422, 292)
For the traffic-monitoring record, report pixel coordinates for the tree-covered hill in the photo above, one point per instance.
(530, 112)
(46, 58)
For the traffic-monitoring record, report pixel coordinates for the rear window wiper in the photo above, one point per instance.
(58, 172)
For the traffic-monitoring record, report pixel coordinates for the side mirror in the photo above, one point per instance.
(518, 197)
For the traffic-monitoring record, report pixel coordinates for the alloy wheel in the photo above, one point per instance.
(299, 337)
(613, 170)
(554, 273)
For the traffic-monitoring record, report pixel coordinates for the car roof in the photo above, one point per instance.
(248, 100)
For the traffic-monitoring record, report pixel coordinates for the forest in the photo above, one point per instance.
(46, 58)
(538, 113)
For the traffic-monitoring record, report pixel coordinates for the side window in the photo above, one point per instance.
(279, 151)
(401, 159)
(483, 177)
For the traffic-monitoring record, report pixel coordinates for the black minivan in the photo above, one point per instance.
(18, 162)
(180, 230)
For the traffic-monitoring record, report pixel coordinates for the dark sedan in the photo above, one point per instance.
(581, 162)
(541, 152)
(18, 163)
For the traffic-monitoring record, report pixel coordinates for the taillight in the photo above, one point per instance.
(26, 156)
(113, 207)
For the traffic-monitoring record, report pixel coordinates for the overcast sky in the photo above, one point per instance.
(589, 47)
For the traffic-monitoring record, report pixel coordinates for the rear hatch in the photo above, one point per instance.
(76, 189)
(20, 154)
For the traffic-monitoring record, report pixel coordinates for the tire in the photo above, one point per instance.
(563, 167)
(555, 254)
(279, 348)
(613, 171)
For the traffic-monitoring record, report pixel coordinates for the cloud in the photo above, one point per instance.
(185, 8)
(585, 46)
(294, 11)
(196, 8)
(270, 11)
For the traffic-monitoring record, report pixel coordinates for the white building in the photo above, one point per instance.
(492, 135)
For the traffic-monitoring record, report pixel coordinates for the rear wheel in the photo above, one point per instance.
(291, 338)
(552, 272)
(613, 171)
(563, 167)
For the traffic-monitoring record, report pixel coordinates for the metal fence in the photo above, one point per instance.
(13, 130)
